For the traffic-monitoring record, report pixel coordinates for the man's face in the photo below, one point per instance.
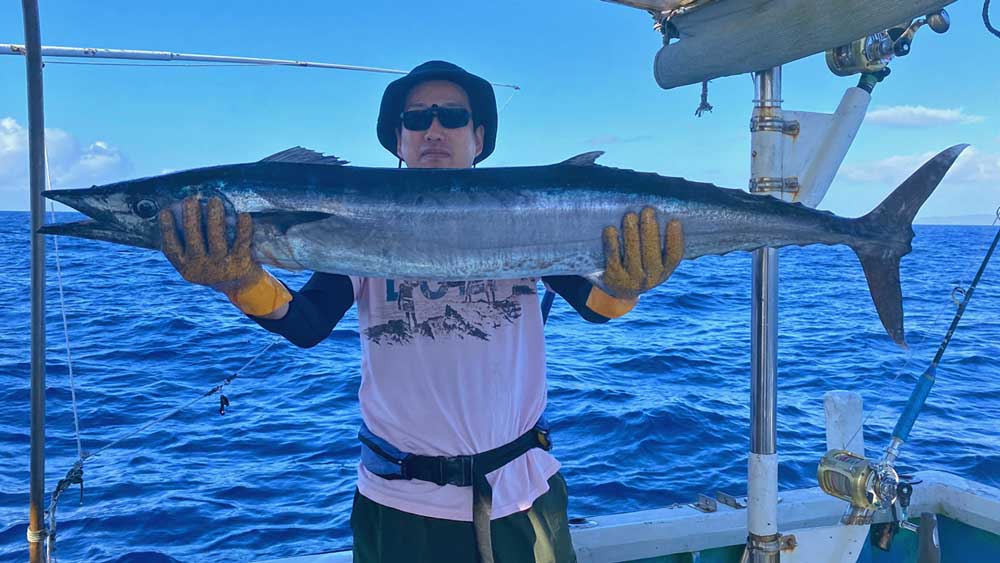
(439, 147)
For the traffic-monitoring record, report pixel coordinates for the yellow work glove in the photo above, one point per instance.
(233, 271)
(648, 263)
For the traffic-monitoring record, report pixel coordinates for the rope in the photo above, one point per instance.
(705, 106)
(37, 536)
(986, 19)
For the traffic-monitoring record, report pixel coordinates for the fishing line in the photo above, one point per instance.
(62, 311)
(75, 474)
(514, 91)
(218, 388)
(967, 295)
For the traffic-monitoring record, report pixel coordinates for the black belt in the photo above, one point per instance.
(470, 471)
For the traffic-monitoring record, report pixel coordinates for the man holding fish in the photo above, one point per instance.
(455, 462)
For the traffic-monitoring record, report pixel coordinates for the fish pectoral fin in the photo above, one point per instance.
(282, 220)
(585, 159)
(304, 156)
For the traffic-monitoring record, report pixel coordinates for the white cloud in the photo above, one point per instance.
(971, 187)
(973, 166)
(72, 164)
(920, 116)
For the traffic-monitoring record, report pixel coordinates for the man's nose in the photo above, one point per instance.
(435, 131)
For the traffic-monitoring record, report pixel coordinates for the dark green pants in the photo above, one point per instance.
(539, 534)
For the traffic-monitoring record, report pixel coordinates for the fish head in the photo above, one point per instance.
(128, 212)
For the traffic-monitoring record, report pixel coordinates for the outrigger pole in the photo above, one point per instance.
(36, 151)
(136, 55)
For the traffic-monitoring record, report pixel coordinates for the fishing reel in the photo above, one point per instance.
(872, 54)
(867, 486)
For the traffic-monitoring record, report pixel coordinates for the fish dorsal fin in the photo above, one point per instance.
(305, 156)
(585, 159)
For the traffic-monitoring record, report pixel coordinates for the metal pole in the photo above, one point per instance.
(762, 512)
(36, 151)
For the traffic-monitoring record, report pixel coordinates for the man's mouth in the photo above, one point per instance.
(435, 153)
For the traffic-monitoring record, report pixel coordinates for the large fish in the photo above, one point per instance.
(312, 212)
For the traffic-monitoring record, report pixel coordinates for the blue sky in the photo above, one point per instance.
(585, 69)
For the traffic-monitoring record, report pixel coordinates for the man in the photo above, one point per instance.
(455, 464)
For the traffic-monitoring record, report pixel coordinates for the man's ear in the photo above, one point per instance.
(399, 143)
(480, 132)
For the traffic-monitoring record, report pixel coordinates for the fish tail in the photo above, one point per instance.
(887, 232)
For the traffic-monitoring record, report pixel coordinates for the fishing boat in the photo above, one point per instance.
(862, 510)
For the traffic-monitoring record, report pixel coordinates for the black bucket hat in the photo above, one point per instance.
(481, 98)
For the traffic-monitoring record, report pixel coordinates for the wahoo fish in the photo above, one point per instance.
(313, 212)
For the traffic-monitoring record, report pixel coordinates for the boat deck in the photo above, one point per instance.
(968, 528)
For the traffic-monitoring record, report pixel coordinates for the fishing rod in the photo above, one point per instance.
(870, 487)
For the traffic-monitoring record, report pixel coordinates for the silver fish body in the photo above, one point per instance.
(311, 213)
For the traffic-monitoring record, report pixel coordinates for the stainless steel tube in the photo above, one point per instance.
(764, 352)
(766, 163)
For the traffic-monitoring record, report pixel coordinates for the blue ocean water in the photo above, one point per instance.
(648, 410)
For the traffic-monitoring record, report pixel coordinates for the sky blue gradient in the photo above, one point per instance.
(584, 68)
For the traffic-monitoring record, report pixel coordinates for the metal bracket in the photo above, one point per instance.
(774, 123)
(705, 503)
(764, 544)
(731, 501)
(765, 184)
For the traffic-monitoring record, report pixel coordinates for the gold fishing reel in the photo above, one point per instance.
(850, 477)
(872, 54)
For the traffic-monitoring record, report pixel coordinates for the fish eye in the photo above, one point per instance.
(146, 208)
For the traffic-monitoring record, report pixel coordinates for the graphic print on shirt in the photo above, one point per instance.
(435, 310)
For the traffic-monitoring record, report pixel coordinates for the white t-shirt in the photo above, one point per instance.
(453, 368)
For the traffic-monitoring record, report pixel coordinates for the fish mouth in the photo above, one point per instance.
(101, 223)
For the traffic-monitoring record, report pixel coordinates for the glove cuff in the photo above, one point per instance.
(608, 306)
(260, 297)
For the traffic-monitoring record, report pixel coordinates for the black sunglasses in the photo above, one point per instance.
(421, 119)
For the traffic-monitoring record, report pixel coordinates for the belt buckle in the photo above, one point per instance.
(544, 439)
(455, 470)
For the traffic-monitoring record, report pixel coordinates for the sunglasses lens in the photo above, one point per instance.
(453, 118)
(418, 120)
(421, 119)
